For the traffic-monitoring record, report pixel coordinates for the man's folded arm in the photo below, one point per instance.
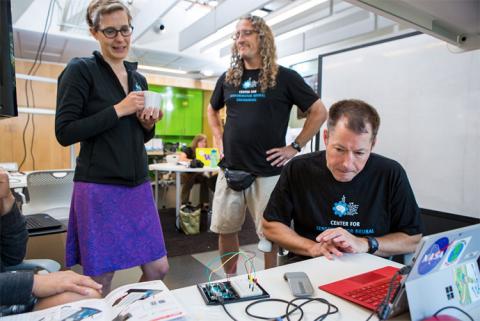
(287, 238)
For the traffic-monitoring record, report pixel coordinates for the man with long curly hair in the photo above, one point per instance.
(259, 95)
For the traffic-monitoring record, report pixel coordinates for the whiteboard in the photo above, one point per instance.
(428, 98)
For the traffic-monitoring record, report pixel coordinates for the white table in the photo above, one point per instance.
(319, 270)
(178, 169)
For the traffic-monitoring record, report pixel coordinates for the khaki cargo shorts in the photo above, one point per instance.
(229, 206)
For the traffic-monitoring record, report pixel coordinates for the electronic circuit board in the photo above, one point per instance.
(231, 291)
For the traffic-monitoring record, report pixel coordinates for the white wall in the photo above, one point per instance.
(429, 101)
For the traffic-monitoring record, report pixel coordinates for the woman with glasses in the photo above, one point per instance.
(113, 220)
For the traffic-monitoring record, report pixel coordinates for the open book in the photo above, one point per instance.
(145, 301)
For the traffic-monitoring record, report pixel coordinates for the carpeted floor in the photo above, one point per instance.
(180, 244)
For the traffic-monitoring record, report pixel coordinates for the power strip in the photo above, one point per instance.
(231, 291)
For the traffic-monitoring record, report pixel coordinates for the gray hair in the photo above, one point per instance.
(358, 114)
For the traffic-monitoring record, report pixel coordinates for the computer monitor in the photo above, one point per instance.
(8, 92)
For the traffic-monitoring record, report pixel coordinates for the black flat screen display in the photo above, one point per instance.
(8, 92)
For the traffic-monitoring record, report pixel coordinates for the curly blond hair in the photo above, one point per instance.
(268, 53)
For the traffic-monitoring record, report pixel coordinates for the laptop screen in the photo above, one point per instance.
(204, 155)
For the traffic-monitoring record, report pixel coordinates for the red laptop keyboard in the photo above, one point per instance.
(372, 295)
(367, 289)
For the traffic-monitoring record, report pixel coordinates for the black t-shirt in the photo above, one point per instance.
(378, 201)
(256, 121)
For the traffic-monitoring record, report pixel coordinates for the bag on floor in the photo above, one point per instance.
(190, 219)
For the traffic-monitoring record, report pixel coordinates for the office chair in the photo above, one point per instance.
(170, 147)
(50, 192)
(165, 180)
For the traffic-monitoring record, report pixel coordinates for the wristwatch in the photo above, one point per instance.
(372, 244)
(296, 146)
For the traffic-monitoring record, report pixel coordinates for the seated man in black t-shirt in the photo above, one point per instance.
(344, 199)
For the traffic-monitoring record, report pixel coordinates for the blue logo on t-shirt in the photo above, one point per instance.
(249, 84)
(137, 87)
(341, 208)
(248, 93)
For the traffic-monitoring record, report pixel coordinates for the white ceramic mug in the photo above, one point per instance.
(152, 99)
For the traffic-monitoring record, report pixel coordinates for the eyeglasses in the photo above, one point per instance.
(111, 32)
(245, 33)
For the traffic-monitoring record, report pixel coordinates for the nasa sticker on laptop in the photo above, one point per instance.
(433, 255)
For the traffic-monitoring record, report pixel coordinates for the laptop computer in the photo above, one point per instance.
(204, 155)
(41, 222)
(447, 264)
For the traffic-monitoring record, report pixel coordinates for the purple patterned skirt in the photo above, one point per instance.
(113, 227)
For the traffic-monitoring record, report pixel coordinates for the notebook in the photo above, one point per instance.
(41, 222)
(447, 264)
(204, 155)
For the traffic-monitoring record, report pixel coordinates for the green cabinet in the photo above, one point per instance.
(182, 112)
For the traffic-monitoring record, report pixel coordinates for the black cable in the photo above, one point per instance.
(34, 72)
(453, 307)
(33, 127)
(43, 39)
(383, 309)
(271, 300)
(24, 142)
(226, 311)
(308, 300)
(370, 316)
(32, 141)
(36, 64)
(297, 307)
(221, 301)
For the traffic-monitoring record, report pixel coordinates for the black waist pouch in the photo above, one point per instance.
(238, 180)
